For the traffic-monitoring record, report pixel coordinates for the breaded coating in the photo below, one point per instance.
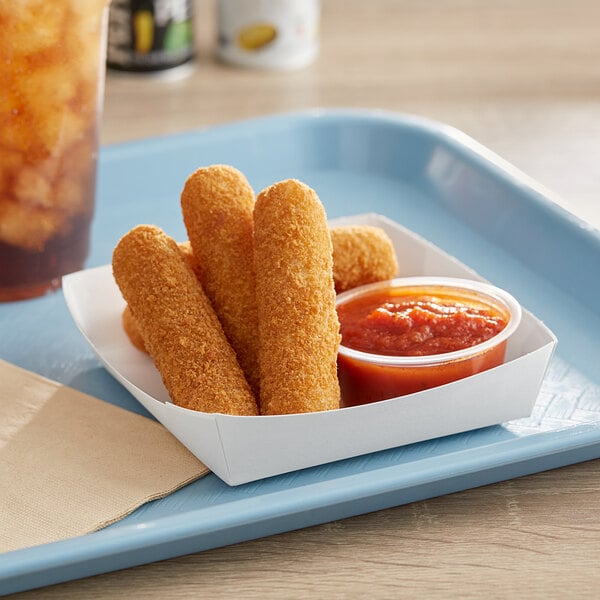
(129, 322)
(132, 330)
(186, 250)
(298, 325)
(361, 254)
(178, 325)
(217, 204)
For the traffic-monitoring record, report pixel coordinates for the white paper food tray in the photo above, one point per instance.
(242, 449)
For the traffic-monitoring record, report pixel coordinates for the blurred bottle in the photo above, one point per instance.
(150, 35)
(269, 34)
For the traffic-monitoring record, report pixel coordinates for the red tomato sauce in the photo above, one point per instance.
(394, 323)
(407, 322)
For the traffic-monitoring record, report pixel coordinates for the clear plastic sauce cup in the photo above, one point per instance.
(402, 364)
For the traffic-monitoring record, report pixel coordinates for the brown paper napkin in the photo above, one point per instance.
(71, 464)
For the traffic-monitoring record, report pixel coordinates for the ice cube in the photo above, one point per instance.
(27, 227)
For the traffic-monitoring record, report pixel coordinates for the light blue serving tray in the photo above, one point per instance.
(428, 177)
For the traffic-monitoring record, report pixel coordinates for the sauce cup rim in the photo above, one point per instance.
(481, 288)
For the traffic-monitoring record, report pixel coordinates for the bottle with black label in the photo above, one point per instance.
(150, 35)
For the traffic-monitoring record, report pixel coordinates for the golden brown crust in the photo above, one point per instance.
(186, 250)
(132, 330)
(179, 327)
(217, 204)
(129, 322)
(361, 254)
(298, 325)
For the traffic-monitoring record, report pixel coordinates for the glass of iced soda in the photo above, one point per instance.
(52, 62)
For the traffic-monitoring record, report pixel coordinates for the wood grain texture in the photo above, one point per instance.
(523, 78)
(534, 537)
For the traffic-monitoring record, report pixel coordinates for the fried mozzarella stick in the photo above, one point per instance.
(217, 204)
(178, 325)
(129, 322)
(298, 325)
(186, 251)
(131, 329)
(361, 254)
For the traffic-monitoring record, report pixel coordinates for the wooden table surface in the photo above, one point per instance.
(523, 78)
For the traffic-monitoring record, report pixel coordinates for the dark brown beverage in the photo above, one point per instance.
(29, 273)
(51, 74)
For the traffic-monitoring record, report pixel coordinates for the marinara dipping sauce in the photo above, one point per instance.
(406, 335)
